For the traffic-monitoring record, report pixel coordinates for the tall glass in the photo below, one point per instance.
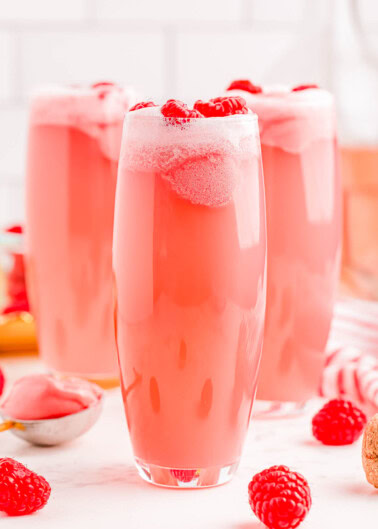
(303, 197)
(189, 267)
(73, 150)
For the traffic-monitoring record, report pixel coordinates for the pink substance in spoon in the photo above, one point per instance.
(45, 396)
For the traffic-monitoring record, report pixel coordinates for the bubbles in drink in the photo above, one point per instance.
(201, 158)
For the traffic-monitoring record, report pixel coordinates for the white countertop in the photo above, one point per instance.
(95, 485)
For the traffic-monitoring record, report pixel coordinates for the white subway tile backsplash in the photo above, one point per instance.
(178, 48)
(367, 10)
(264, 57)
(170, 10)
(12, 210)
(6, 55)
(13, 133)
(133, 58)
(278, 10)
(41, 10)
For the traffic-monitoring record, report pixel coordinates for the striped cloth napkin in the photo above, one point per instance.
(351, 369)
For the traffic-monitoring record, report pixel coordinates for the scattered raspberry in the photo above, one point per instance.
(246, 85)
(279, 497)
(102, 84)
(178, 109)
(16, 285)
(143, 104)
(17, 306)
(222, 106)
(103, 88)
(301, 87)
(339, 422)
(16, 288)
(15, 229)
(2, 381)
(21, 490)
(185, 476)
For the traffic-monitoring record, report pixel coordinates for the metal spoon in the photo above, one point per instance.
(50, 432)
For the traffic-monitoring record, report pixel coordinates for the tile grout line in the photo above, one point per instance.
(16, 71)
(92, 24)
(246, 14)
(331, 46)
(90, 11)
(14, 180)
(170, 61)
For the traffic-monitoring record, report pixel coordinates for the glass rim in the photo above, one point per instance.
(136, 114)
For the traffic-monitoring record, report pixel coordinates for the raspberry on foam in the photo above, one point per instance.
(339, 422)
(301, 87)
(222, 106)
(177, 109)
(103, 88)
(21, 490)
(246, 85)
(142, 104)
(101, 84)
(279, 497)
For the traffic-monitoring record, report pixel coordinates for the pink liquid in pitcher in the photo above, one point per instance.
(303, 200)
(189, 262)
(73, 150)
(359, 273)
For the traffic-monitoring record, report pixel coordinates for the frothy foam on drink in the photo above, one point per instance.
(97, 111)
(203, 159)
(292, 120)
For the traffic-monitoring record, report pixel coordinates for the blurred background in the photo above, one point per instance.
(184, 49)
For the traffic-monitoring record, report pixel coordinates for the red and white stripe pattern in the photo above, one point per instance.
(355, 323)
(351, 369)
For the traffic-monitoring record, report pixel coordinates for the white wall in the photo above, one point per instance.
(179, 48)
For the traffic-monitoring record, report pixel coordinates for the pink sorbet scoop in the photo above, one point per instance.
(44, 396)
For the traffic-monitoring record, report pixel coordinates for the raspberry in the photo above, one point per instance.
(21, 490)
(15, 229)
(279, 497)
(103, 88)
(339, 422)
(143, 104)
(185, 476)
(222, 106)
(2, 381)
(17, 306)
(301, 87)
(102, 84)
(246, 85)
(178, 109)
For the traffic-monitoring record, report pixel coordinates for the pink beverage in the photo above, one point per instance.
(74, 142)
(189, 266)
(299, 151)
(359, 272)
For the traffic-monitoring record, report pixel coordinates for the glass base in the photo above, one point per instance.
(185, 478)
(268, 409)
